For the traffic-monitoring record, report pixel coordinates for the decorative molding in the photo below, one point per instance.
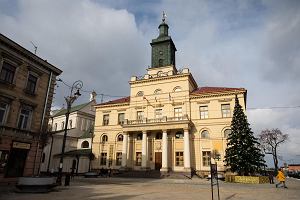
(225, 100)
(106, 111)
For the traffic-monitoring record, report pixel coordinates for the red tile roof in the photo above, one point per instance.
(121, 100)
(207, 90)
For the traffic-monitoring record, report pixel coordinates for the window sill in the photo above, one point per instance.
(29, 93)
(8, 84)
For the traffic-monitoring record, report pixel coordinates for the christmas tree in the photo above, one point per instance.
(242, 154)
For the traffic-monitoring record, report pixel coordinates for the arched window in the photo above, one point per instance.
(140, 93)
(139, 136)
(158, 136)
(179, 135)
(205, 134)
(85, 144)
(104, 138)
(177, 89)
(62, 125)
(157, 91)
(227, 132)
(120, 138)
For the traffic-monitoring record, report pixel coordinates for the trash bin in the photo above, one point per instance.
(67, 179)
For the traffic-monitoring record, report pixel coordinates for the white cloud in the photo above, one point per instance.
(251, 44)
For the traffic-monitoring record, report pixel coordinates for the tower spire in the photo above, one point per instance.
(164, 17)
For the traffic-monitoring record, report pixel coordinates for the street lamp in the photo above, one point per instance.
(77, 85)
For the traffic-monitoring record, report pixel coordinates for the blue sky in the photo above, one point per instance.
(252, 44)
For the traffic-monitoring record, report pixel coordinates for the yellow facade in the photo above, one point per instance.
(167, 123)
(167, 100)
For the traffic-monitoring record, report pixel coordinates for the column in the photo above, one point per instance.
(187, 154)
(144, 150)
(164, 166)
(124, 149)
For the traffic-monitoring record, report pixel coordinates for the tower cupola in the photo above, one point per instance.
(163, 48)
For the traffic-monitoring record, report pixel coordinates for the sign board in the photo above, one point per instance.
(21, 145)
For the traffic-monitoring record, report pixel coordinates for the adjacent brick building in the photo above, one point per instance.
(26, 92)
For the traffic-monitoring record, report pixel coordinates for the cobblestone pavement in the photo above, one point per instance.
(125, 188)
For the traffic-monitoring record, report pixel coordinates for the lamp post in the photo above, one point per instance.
(77, 85)
(91, 154)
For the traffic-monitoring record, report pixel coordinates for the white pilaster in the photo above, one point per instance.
(144, 150)
(164, 166)
(124, 149)
(187, 154)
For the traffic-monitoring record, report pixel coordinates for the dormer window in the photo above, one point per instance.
(157, 91)
(177, 89)
(140, 94)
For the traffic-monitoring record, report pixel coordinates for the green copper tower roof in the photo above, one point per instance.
(163, 48)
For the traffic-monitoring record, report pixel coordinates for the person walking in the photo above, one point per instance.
(281, 178)
(271, 177)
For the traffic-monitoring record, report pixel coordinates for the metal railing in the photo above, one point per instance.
(156, 120)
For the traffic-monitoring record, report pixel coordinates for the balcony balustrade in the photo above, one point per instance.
(164, 119)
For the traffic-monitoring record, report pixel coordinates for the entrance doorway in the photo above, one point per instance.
(16, 162)
(158, 161)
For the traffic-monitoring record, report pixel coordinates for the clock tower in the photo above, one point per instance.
(163, 48)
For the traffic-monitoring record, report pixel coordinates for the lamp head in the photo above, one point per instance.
(77, 93)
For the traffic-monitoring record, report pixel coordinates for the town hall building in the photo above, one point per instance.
(168, 123)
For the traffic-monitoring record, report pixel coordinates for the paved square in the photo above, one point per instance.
(125, 188)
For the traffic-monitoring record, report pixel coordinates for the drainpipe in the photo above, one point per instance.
(42, 124)
(50, 154)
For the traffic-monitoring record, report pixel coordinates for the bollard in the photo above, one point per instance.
(67, 180)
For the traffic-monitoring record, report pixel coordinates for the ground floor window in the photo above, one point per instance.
(3, 160)
(138, 159)
(179, 158)
(103, 158)
(206, 158)
(119, 158)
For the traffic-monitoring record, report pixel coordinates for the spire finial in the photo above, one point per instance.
(164, 17)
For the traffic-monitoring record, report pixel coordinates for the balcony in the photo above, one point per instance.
(163, 120)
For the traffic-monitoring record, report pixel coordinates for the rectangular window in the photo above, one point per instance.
(105, 120)
(225, 110)
(3, 112)
(103, 158)
(138, 159)
(121, 118)
(31, 83)
(179, 158)
(203, 112)
(24, 117)
(158, 114)
(7, 72)
(119, 158)
(206, 158)
(178, 113)
(140, 115)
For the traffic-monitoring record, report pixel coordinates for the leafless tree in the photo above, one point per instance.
(270, 141)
